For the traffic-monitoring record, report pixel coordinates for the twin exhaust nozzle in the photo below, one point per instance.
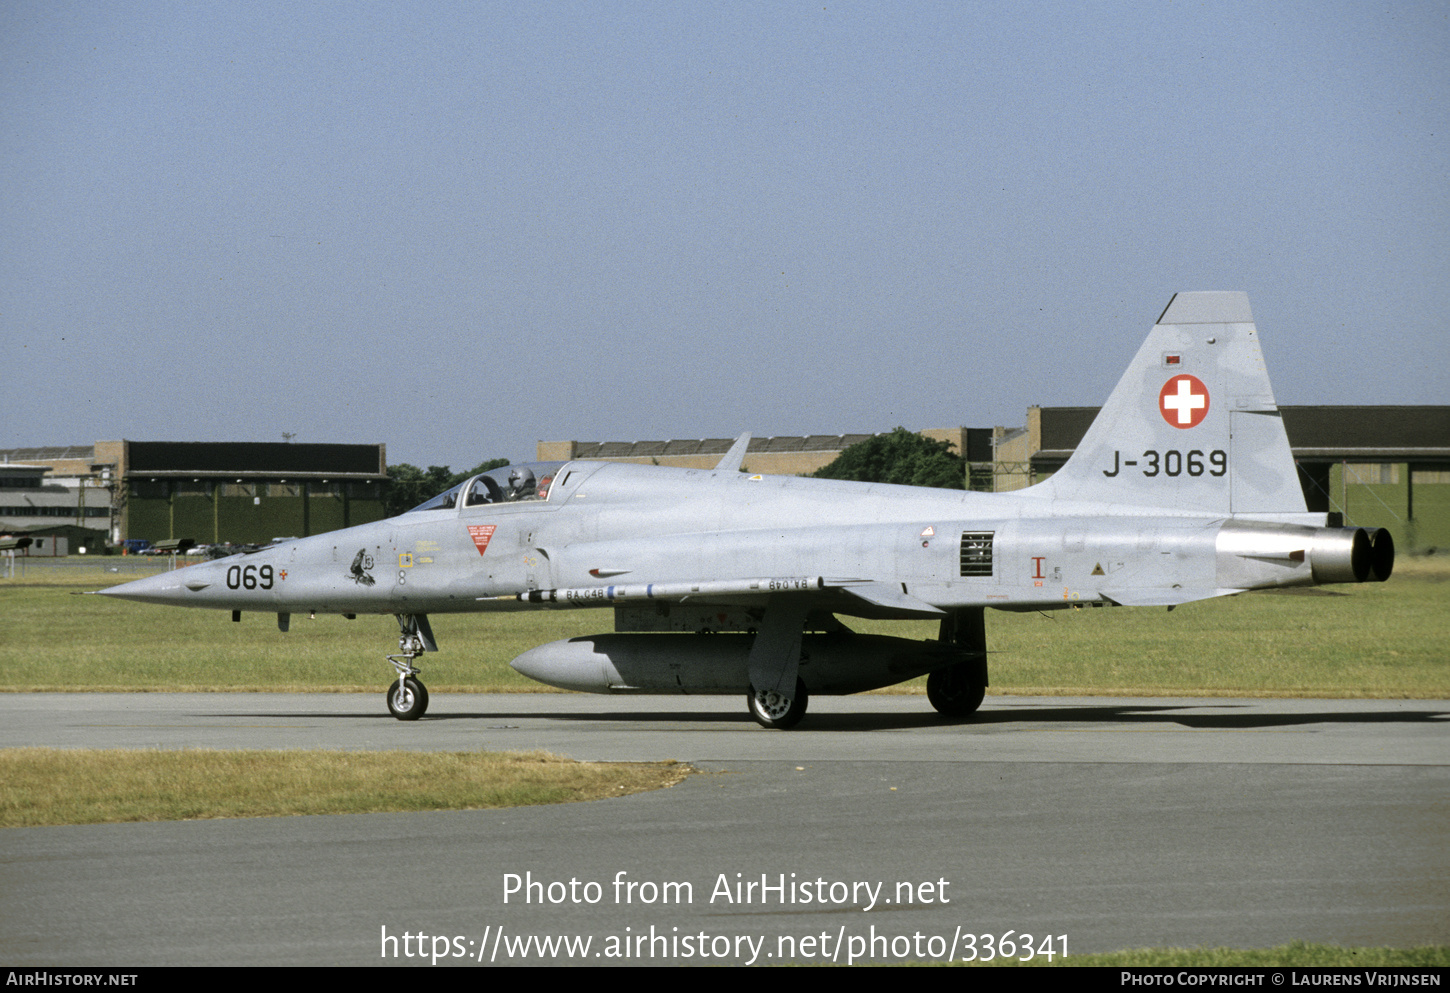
(1255, 554)
(1352, 555)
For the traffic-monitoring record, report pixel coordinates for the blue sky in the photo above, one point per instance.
(462, 228)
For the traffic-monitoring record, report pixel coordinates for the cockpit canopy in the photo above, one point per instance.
(511, 484)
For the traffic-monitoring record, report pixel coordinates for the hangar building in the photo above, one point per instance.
(239, 492)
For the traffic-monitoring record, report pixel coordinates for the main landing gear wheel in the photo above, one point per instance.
(408, 701)
(774, 710)
(955, 692)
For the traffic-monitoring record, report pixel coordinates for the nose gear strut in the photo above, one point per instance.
(408, 697)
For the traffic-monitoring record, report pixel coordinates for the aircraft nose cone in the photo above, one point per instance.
(166, 587)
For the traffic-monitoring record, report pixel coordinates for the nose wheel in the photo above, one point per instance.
(408, 699)
(407, 696)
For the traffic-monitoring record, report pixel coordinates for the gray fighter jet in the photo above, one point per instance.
(725, 582)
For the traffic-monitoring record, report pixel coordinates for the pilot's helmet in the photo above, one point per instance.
(521, 480)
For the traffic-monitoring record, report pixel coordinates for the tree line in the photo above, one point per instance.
(408, 486)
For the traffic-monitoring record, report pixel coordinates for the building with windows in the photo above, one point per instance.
(52, 496)
(211, 492)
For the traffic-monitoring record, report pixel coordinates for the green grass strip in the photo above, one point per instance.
(48, 786)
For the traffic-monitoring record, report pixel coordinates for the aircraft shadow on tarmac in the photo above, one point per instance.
(1229, 717)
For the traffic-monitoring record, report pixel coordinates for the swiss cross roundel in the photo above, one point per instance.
(1183, 401)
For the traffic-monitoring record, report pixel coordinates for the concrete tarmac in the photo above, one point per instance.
(874, 832)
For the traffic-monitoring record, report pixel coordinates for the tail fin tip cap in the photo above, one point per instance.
(1208, 307)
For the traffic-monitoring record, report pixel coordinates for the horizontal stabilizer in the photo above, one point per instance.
(1160, 597)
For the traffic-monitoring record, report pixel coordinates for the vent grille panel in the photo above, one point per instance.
(977, 553)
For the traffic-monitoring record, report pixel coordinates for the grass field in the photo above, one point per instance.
(1373, 640)
(48, 786)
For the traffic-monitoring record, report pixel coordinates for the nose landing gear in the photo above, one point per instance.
(408, 697)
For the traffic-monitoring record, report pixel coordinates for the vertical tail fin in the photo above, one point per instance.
(1192, 425)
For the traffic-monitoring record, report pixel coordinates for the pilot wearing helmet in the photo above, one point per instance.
(521, 484)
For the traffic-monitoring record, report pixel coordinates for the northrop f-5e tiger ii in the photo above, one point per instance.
(720, 581)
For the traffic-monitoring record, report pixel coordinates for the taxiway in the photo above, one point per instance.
(1116, 822)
